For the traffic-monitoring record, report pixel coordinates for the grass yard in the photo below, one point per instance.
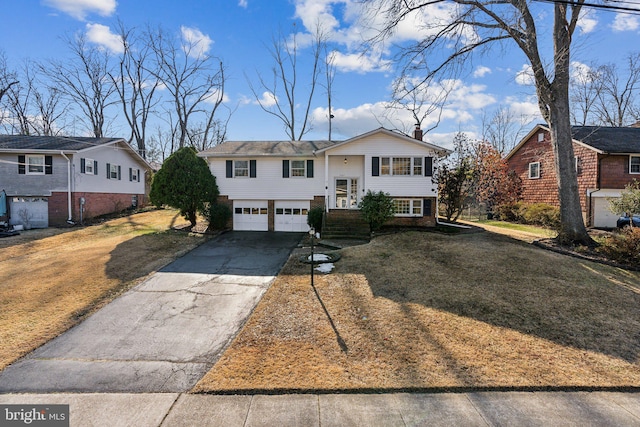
(431, 311)
(53, 278)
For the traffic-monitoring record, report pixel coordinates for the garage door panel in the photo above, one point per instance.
(291, 216)
(250, 215)
(602, 216)
(32, 212)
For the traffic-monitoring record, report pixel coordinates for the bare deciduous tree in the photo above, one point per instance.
(475, 25)
(617, 100)
(84, 80)
(135, 85)
(282, 94)
(7, 77)
(502, 130)
(193, 78)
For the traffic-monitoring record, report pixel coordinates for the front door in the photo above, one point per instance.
(346, 193)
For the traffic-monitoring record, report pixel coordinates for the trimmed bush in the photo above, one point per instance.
(314, 218)
(218, 215)
(376, 208)
(541, 214)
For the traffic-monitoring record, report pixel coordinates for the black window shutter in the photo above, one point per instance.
(108, 170)
(21, 165)
(229, 164)
(48, 165)
(130, 174)
(375, 166)
(309, 168)
(118, 172)
(138, 175)
(426, 210)
(285, 168)
(428, 166)
(82, 165)
(95, 167)
(252, 169)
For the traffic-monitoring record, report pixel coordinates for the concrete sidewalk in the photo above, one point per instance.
(398, 409)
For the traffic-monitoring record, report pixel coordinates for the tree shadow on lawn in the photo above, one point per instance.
(506, 283)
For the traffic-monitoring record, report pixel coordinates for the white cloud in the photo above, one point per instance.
(481, 71)
(580, 72)
(587, 21)
(524, 77)
(79, 9)
(196, 43)
(214, 96)
(359, 63)
(102, 35)
(243, 3)
(526, 110)
(625, 22)
(268, 99)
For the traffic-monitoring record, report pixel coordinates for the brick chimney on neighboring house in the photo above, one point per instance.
(417, 132)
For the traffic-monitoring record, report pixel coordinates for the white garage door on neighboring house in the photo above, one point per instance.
(602, 216)
(291, 216)
(250, 215)
(31, 212)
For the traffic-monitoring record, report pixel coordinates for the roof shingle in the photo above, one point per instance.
(53, 143)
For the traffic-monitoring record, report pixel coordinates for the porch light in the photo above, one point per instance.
(345, 160)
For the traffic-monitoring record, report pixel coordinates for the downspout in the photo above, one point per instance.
(69, 216)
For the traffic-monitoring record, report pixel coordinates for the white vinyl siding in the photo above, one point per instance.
(270, 184)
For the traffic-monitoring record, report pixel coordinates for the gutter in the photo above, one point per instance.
(69, 216)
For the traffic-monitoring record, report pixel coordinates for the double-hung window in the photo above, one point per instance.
(298, 168)
(113, 171)
(534, 170)
(401, 166)
(35, 165)
(88, 166)
(634, 164)
(241, 168)
(407, 207)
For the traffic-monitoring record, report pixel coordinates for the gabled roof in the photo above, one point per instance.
(602, 139)
(266, 148)
(392, 134)
(297, 148)
(612, 140)
(56, 144)
(51, 143)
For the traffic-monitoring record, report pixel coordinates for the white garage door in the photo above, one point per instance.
(602, 216)
(31, 212)
(291, 216)
(250, 215)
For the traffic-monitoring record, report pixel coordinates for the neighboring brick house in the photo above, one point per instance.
(52, 180)
(606, 159)
(271, 185)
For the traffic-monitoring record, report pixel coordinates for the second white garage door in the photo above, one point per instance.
(602, 215)
(250, 215)
(291, 216)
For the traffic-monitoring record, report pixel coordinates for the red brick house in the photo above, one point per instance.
(606, 159)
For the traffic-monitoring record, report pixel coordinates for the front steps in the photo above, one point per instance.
(345, 224)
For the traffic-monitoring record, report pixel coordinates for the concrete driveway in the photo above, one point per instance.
(167, 332)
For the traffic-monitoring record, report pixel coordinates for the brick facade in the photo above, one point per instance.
(96, 204)
(594, 171)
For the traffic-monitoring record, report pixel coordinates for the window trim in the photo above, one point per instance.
(28, 164)
(531, 176)
(388, 168)
(236, 169)
(630, 171)
(413, 205)
(298, 169)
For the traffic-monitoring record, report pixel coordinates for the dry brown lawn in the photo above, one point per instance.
(432, 311)
(53, 278)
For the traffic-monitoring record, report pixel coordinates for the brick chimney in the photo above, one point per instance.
(417, 132)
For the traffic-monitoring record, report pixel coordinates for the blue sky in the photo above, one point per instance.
(238, 32)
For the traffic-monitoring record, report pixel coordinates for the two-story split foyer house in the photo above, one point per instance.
(606, 159)
(271, 185)
(51, 180)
